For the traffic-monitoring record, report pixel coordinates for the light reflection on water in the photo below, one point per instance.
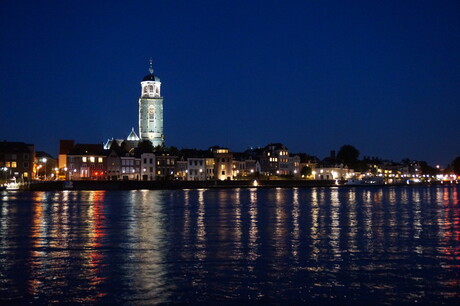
(320, 245)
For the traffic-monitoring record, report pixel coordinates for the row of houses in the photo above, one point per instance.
(134, 159)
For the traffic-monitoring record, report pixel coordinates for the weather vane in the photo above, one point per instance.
(151, 67)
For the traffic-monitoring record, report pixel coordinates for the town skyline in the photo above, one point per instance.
(380, 77)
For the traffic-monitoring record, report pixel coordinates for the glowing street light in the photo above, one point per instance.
(44, 160)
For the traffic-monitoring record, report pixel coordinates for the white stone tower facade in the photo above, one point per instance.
(151, 109)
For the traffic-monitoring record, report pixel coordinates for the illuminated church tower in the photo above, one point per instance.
(151, 109)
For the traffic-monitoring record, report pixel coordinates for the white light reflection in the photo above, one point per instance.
(201, 228)
(147, 245)
(335, 225)
(253, 229)
(280, 231)
(186, 227)
(352, 222)
(314, 230)
(238, 231)
(296, 227)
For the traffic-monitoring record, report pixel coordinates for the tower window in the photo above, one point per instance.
(145, 89)
(151, 88)
(151, 113)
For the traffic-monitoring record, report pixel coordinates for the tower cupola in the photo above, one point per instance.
(151, 85)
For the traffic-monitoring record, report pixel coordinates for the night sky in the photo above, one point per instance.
(383, 76)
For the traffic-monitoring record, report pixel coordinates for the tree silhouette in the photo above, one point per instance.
(348, 155)
(306, 171)
(455, 165)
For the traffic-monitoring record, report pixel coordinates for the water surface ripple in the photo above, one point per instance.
(321, 245)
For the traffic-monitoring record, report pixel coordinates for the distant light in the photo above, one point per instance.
(255, 183)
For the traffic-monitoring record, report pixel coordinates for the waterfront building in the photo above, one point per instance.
(130, 167)
(337, 172)
(148, 166)
(245, 166)
(46, 166)
(151, 109)
(64, 147)
(196, 169)
(16, 161)
(199, 163)
(210, 168)
(239, 169)
(87, 162)
(181, 169)
(165, 165)
(223, 163)
(114, 162)
(276, 160)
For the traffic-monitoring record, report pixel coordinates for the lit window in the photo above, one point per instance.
(7, 164)
(91, 159)
(83, 159)
(99, 159)
(13, 165)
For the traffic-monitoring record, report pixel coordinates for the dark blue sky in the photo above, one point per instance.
(383, 76)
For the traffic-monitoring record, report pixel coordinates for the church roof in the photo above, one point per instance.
(151, 76)
(133, 135)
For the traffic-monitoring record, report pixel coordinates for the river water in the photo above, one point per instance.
(368, 245)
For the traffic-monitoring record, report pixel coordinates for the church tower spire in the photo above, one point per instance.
(151, 66)
(151, 109)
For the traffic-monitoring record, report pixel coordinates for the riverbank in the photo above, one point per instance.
(157, 185)
(164, 185)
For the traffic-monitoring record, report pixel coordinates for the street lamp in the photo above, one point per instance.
(4, 170)
(44, 161)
